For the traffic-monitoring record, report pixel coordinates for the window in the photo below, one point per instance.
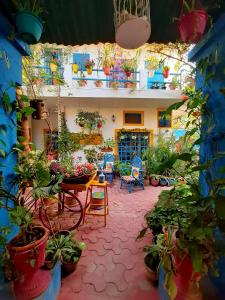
(164, 119)
(80, 59)
(133, 118)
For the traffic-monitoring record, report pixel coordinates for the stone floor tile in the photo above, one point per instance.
(96, 278)
(116, 276)
(127, 259)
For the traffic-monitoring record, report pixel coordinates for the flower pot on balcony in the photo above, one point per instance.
(98, 83)
(172, 87)
(75, 68)
(128, 73)
(27, 260)
(106, 70)
(192, 26)
(89, 70)
(166, 73)
(82, 83)
(29, 27)
(53, 66)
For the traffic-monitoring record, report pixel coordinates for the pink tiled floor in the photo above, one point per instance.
(112, 266)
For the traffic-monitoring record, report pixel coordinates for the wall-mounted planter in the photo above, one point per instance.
(192, 26)
(40, 112)
(29, 27)
(75, 68)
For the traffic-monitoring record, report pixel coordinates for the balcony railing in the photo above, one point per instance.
(116, 79)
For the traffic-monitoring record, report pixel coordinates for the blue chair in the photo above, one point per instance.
(136, 176)
(109, 159)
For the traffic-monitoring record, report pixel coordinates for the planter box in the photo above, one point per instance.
(88, 139)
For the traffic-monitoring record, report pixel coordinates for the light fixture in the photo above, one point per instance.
(132, 22)
(113, 118)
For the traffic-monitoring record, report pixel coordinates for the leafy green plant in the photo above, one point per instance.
(64, 247)
(91, 155)
(89, 120)
(33, 6)
(123, 168)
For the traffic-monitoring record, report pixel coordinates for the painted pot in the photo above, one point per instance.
(154, 181)
(163, 182)
(166, 73)
(27, 261)
(75, 68)
(29, 27)
(53, 67)
(128, 73)
(68, 268)
(151, 266)
(106, 70)
(151, 73)
(99, 125)
(89, 70)
(172, 87)
(192, 26)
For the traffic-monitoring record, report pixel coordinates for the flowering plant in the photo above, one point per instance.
(89, 64)
(78, 170)
(133, 137)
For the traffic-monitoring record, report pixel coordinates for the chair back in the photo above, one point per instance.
(137, 163)
(108, 157)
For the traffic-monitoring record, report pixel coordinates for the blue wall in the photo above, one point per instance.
(213, 132)
(10, 70)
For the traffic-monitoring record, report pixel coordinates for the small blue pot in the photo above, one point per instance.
(163, 182)
(29, 27)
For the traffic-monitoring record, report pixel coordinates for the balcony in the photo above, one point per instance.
(115, 85)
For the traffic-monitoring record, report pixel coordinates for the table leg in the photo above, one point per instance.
(86, 204)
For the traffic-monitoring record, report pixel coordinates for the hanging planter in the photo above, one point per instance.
(75, 68)
(98, 83)
(40, 112)
(192, 26)
(29, 27)
(89, 66)
(53, 66)
(106, 70)
(152, 64)
(166, 71)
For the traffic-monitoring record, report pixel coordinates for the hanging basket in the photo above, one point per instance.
(75, 68)
(192, 26)
(132, 23)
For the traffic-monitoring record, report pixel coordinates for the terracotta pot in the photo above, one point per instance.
(68, 268)
(99, 125)
(89, 70)
(106, 70)
(75, 68)
(109, 149)
(98, 83)
(192, 26)
(172, 87)
(27, 261)
(154, 181)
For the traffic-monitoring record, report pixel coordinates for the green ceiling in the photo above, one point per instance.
(76, 22)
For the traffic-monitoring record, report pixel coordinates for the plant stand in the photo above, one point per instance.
(89, 205)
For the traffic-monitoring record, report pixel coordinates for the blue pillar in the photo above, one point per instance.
(212, 48)
(11, 52)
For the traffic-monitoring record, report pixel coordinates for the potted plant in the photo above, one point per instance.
(152, 261)
(98, 83)
(82, 82)
(89, 64)
(166, 71)
(57, 79)
(75, 68)
(130, 85)
(163, 181)
(175, 83)
(91, 155)
(152, 64)
(108, 145)
(63, 248)
(54, 64)
(154, 180)
(192, 23)
(114, 85)
(28, 23)
(128, 67)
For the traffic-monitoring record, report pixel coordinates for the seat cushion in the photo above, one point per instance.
(128, 178)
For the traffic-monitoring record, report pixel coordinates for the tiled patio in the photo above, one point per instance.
(112, 266)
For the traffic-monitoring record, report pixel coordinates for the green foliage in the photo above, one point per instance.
(123, 168)
(64, 247)
(33, 6)
(109, 143)
(89, 120)
(155, 155)
(91, 155)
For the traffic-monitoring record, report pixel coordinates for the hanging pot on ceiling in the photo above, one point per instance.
(41, 112)
(192, 26)
(29, 27)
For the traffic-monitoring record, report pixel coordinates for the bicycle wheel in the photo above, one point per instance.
(64, 213)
